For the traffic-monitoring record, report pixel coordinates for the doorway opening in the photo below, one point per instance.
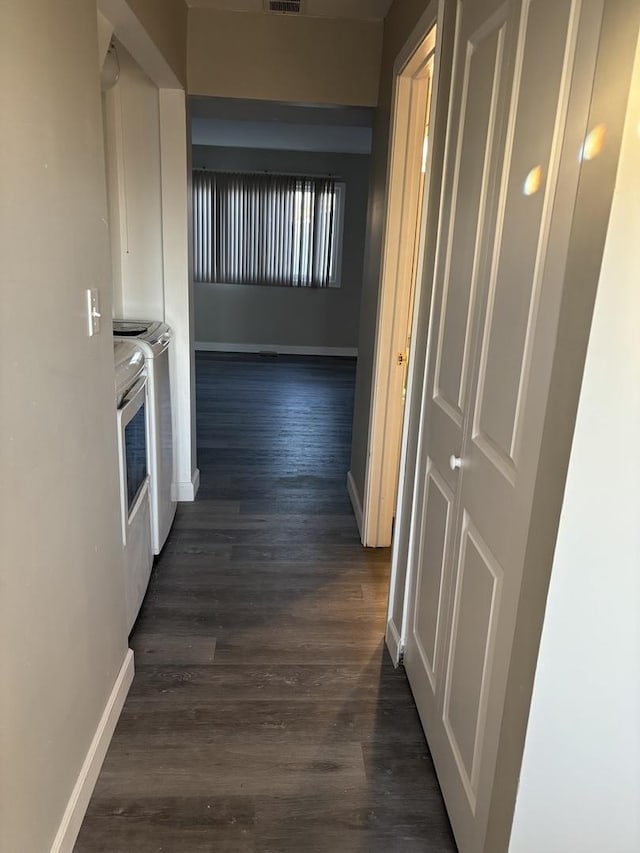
(279, 196)
(408, 181)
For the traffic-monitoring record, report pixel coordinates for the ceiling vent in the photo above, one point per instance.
(286, 7)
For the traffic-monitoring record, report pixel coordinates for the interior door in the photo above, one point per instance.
(492, 325)
(425, 93)
(420, 222)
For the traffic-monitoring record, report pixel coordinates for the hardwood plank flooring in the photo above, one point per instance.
(265, 715)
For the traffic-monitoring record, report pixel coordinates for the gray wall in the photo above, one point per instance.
(62, 622)
(289, 316)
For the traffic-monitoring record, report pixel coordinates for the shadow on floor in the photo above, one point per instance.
(265, 715)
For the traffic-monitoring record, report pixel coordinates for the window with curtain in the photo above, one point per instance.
(267, 229)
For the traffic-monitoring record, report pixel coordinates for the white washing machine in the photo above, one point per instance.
(133, 463)
(154, 339)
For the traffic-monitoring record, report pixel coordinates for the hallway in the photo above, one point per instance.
(265, 715)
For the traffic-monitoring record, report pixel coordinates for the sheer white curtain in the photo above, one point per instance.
(263, 229)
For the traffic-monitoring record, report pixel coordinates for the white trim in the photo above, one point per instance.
(139, 43)
(408, 501)
(105, 32)
(404, 216)
(88, 776)
(177, 290)
(276, 349)
(392, 639)
(355, 501)
(431, 16)
(186, 492)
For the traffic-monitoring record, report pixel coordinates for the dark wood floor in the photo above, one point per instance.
(265, 716)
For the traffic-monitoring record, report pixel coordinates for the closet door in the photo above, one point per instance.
(493, 325)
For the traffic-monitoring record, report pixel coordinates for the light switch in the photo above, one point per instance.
(93, 311)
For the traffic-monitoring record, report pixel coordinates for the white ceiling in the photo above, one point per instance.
(366, 10)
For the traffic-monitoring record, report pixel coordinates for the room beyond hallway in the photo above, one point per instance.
(265, 715)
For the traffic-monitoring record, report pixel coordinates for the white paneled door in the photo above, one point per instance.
(494, 316)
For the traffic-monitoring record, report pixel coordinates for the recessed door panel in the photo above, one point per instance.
(473, 630)
(481, 73)
(433, 540)
(516, 274)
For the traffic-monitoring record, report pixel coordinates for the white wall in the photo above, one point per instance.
(147, 160)
(580, 778)
(178, 309)
(291, 58)
(154, 31)
(133, 145)
(105, 32)
(166, 23)
(62, 618)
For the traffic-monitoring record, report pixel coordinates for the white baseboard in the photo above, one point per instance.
(188, 490)
(392, 639)
(355, 501)
(277, 349)
(88, 776)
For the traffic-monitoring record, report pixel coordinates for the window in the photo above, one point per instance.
(267, 229)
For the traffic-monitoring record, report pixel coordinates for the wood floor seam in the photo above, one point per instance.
(265, 715)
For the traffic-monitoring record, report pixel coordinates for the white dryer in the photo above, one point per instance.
(154, 339)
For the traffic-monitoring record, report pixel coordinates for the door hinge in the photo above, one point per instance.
(401, 655)
(402, 358)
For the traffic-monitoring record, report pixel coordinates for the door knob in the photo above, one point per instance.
(455, 462)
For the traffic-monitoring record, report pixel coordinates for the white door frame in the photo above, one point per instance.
(174, 182)
(402, 228)
(402, 539)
